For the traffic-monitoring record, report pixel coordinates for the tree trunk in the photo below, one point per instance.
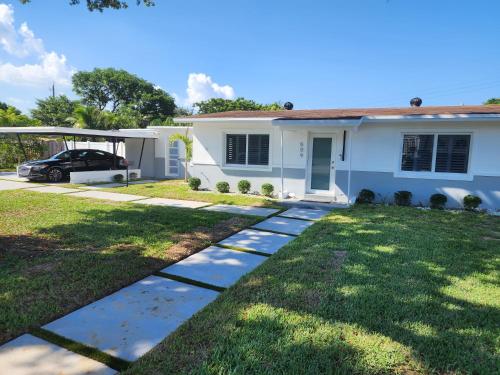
(185, 169)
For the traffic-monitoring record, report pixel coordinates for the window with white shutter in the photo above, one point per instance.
(452, 154)
(247, 149)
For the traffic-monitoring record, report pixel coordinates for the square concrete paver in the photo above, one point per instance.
(29, 355)
(106, 195)
(257, 240)
(14, 185)
(304, 213)
(242, 210)
(172, 203)
(216, 266)
(284, 225)
(130, 322)
(53, 189)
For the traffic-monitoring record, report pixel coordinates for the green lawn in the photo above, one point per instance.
(177, 189)
(58, 253)
(368, 290)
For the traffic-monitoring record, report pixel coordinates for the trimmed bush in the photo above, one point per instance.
(118, 178)
(438, 201)
(132, 175)
(222, 187)
(244, 186)
(471, 202)
(402, 198)
(267, 189)
(365, 196)
(194, 183)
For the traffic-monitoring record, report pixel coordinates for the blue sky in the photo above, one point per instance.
(317, 54)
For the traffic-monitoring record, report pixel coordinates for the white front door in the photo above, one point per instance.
(321, 176)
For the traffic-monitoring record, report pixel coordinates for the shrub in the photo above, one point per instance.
(402, 198)
(471, 202)
(438, 201)
(132, 175)
(267, 189)
(222, 187)
(244, 186)
(365, 196)
(118, 178)
(194, 183)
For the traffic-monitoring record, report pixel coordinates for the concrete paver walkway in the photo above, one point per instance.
(118, 197)
(304, 213)
(53, 189)
(242, 210)
(130, 322)
(14, 185)
(172, 203)
(284, 225)
(29, 355)
(257, 240)
(216, 266)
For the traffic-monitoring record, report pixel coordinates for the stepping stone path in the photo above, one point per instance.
(256, 240)
(53, 190)
(216, 266)
(172, 203)
(108, 196)
(284, 225)
(130, 322)
(29, 355)
(242, 210)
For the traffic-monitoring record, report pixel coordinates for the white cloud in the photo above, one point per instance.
(49, 67)
(201, 87)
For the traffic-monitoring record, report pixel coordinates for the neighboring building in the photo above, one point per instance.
(333, 154)
(160, 157)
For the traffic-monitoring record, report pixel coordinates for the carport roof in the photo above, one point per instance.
(54, 130)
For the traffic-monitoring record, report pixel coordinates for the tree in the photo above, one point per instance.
(86, 117)
(114, 89)
(13, 117)
(215, 105)
(188, 145)
(493, 101)
(54, 111)
(100, 5)
(4, 106)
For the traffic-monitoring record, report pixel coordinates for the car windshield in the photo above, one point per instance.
(61, 156)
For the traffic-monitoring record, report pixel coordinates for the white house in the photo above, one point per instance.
(333, 154)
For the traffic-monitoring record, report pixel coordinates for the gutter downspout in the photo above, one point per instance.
(350, 161)
(282, 194)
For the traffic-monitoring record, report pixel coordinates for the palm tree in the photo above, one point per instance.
(188, 145)
(86, 117)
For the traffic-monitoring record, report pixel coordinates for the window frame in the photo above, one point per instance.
(468, 176)
(246, 166)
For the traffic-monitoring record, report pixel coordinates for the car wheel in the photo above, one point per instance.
(54, 175)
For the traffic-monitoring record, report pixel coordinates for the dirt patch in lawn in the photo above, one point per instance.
(201, 237)
(25, 246)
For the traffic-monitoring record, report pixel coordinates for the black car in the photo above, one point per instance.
(58, 166)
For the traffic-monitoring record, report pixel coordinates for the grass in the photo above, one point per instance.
(177, 189)
(58, 253)
(368, 290)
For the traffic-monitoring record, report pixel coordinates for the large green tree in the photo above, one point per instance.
(54, 111)
(100, 5)
(114, 89)
(215, 105)
(492, 101)
(11, 116)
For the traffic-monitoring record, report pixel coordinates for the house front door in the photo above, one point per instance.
(322, 164)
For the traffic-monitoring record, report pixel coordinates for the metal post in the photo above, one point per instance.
(22, 147)
(114, 153)
(74, 142)
(65, 143)
(282, 174)
(142, 150)
(127, 174)
(350, 168)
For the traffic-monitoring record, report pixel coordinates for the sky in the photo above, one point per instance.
(316, 54)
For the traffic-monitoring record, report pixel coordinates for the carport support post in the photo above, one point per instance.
(350, 168)
(65, 143)
(22, 147)
(282, 194)
(114, 153)
(142, 150)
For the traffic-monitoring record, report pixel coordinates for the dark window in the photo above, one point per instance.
(417, 152)
(258, 149)
(452, 154)
(236, 148)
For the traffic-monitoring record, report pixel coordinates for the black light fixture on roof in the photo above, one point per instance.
(288, 106)
(416, 102)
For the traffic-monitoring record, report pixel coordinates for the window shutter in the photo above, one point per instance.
(258, 149)
(452, 153)
(236, 148)
(417, 152)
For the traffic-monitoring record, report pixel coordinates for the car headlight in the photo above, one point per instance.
(37, 168)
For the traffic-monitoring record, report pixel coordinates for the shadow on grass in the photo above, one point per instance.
(408, 298)
(93, 252)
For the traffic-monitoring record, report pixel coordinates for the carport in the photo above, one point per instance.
(112, 136)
